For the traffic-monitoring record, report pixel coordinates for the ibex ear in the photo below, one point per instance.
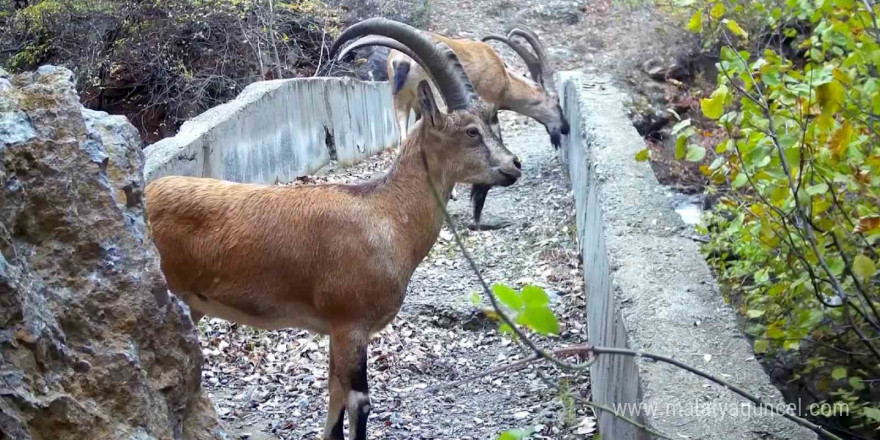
(428, 106)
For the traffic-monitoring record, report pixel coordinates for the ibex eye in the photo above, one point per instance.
(473, 132)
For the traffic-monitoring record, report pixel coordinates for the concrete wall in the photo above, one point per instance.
(649, 288)
(277, 131)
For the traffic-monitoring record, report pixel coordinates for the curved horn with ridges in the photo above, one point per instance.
(532, 62)
(375, 40)
(533, 41)
(444, 67)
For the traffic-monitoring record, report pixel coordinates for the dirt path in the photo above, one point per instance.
(276, 382)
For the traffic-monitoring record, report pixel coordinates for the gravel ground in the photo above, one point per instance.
(277, 381)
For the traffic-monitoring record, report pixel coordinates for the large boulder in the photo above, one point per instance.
(91, 344)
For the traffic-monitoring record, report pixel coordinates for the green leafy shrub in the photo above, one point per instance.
(797, 175)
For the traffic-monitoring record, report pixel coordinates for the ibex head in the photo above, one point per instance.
(460, 143)
(464, 143)
(543, 104)
(548, 112)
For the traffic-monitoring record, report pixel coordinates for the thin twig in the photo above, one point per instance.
(321, 47)
(623, 417)
(513, 366)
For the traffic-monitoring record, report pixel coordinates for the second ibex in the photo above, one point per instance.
(494, 82)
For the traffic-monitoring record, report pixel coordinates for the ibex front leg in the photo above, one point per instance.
(348, 383)
(336, 409)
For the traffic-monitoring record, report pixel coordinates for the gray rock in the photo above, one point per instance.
(15, 128)
(91, 344)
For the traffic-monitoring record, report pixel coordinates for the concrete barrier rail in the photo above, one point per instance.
(280, 130)
(649, 288)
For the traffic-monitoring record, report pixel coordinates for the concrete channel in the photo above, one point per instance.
(650, 289)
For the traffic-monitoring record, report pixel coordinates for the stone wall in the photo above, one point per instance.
(276, 131)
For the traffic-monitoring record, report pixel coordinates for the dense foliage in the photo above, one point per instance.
(161, 62)
(797, 175)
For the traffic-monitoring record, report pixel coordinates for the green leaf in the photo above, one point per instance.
(534, 296)
(791, 345)
(821, 188)
(505, 329)
(717, 10)
(761, 346)
(831, 96)
(540, 319)
(695, 24)
(755, 313)
(508, 296)
(734, 27)
(863, 267)
(513, 434)
(643, 155)
(841, 138)
(739, 180)
(695, 153)
(680, 126)
(871, 413)
(775, 332)
(838, 373)
(713, 107)
(856, 383)
(680, 147)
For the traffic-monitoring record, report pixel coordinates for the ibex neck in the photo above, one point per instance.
(413, 207)
(521, 95)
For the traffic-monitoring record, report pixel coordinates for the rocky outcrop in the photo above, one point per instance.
(91, 344)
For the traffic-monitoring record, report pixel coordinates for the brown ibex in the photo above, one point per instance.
(333, 259)
(493, 81)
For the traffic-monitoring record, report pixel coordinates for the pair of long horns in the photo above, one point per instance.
(438, 60)
(538, 64)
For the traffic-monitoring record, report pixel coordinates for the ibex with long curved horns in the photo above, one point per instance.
(493, 80)
(333, 259)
